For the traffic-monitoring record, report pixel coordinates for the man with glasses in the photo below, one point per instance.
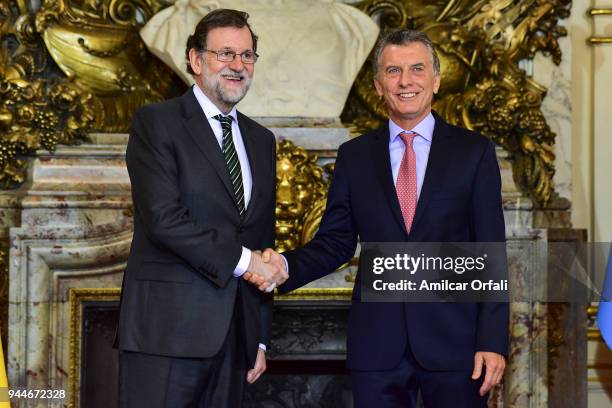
(191, 331)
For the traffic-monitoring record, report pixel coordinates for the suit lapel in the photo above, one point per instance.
(200, 131)
(385, 176)
(436, 164)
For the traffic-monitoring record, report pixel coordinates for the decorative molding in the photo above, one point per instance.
(4, 290)
(344, 294)
(45, 266)
(595, 40)
(77, 297)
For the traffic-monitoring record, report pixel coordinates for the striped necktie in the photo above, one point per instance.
(231, 159)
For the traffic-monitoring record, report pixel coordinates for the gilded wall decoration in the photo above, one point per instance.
(480, 45)
(301, 195)
(70, 68)
(36, 111)
(79, 65)
(96, 43)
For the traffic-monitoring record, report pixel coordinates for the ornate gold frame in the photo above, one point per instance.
(343, 294)
(77, 296)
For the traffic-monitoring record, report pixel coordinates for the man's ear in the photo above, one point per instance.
(195, 61)
(436, 86)
(378, 86)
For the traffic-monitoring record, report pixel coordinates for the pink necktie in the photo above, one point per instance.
(406, 184)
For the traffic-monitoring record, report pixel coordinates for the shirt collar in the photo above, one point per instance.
(424, 128)
(209, 108)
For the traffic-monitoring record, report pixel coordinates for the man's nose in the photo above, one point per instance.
(405, 78)
(237, 64)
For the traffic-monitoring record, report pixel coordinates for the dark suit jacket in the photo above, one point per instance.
(179, 291)
(460, 201)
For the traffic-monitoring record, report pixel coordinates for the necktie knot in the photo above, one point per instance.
(408, 137)
(226, 121)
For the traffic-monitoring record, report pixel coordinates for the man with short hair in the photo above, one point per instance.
(191, 331)
(415, 179)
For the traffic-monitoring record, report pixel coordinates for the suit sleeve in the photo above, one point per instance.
(267, 299)
(335, 241)
(487, 225)
(154, 175)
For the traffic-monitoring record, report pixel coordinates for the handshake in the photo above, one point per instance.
(266, 270)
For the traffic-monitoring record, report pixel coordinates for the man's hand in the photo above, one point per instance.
(495, 365)
(271, 256)
(265, 271)
(260, 366)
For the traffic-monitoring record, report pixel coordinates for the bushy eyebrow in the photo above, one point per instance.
(417, 65)
(232, 49)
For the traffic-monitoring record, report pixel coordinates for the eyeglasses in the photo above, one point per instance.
(247, 57)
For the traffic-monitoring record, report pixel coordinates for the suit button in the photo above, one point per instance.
(241, 229)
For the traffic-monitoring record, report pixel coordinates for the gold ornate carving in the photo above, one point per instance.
(69, 68)
(97, 44)
(35, 111)
(301, 197)
(301, 191)
(480, 45)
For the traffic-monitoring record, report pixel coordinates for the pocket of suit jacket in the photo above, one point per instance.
(165, 272)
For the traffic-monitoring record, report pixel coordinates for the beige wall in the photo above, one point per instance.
(591, 90)
(602, 129)
(579, 26)
(578, 108)
(591, 144)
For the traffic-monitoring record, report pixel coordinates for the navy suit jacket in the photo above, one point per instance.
(460, 201)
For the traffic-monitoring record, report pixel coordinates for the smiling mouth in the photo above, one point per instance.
(406, 96)
(233, 78)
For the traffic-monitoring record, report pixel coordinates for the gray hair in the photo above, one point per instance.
(405, 37)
